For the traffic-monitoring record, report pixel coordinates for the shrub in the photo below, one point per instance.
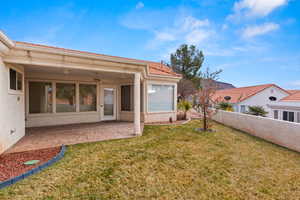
(184, 106)
(225, 106)
(257, 110)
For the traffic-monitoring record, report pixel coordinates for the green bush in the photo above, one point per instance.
(184, 106)
(257, 110)
(225, 106)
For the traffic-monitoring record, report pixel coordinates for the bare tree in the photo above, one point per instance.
(207, 88)
(185, 88)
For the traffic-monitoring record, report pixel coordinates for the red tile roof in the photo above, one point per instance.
(295, 96)
(293, 91)
(240, 94)
(155, 68)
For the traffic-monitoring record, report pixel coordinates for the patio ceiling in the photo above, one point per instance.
(29, 69)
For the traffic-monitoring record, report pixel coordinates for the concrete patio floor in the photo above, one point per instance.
(46, 137)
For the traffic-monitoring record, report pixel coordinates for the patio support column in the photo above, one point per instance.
(137, 96)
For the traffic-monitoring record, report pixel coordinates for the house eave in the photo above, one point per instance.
(5, 44)
(79, 54)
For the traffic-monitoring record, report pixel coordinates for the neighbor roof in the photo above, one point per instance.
(293, 91)
(242, 93)
(155, 68)
(295, 96)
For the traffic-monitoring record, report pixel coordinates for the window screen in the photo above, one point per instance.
(87, 97)
(126, 98)
(13, 79)
(40, 97)
(65, 97)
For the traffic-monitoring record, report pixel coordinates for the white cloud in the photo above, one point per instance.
(196, 36)
(165, 36)
(255, 8)
(191, 23)
(139, 5)
(186, 29)
(252, 31)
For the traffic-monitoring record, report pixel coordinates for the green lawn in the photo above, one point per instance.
(169, 163)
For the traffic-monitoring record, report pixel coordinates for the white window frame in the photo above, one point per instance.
(163, 84)
(11, 91)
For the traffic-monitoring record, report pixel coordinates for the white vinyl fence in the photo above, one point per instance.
(283, 133)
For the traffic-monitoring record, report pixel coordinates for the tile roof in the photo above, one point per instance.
(240, 94)
(293, 91)
(295, 96)
(155, 68)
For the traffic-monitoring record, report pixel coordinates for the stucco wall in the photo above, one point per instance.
(283, 133)
(12, 115)
(61, 119)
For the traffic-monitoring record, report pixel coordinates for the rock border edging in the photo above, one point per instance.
(34, 170)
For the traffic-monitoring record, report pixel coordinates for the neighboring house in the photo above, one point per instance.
(259, 95)
(288, 108)
(44, 86)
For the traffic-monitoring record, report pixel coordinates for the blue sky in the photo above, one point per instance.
(253, 41)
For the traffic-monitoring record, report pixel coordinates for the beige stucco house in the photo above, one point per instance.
(46, 86)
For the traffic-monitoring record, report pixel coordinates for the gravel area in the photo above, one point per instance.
(12, 164)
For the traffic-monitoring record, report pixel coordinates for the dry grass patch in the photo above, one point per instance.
(169, 162)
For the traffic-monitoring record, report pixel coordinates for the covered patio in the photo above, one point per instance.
(53, 136)
(45, 89)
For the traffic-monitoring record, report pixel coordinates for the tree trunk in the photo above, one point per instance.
(204, 119)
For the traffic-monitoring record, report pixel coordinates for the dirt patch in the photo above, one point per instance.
(12, 164)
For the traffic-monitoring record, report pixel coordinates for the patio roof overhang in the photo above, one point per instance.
(45, 56)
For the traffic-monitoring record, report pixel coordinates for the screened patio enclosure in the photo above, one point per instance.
(55, 96)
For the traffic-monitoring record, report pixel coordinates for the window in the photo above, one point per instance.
(298, 117)
(65, 97)
(126, 98)
(87, 97)
(272, 98)
(243, 108)
(40, 97)
(275, 114)
(288, 116)
(15, 80)
(227, 98)
(160, 98)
